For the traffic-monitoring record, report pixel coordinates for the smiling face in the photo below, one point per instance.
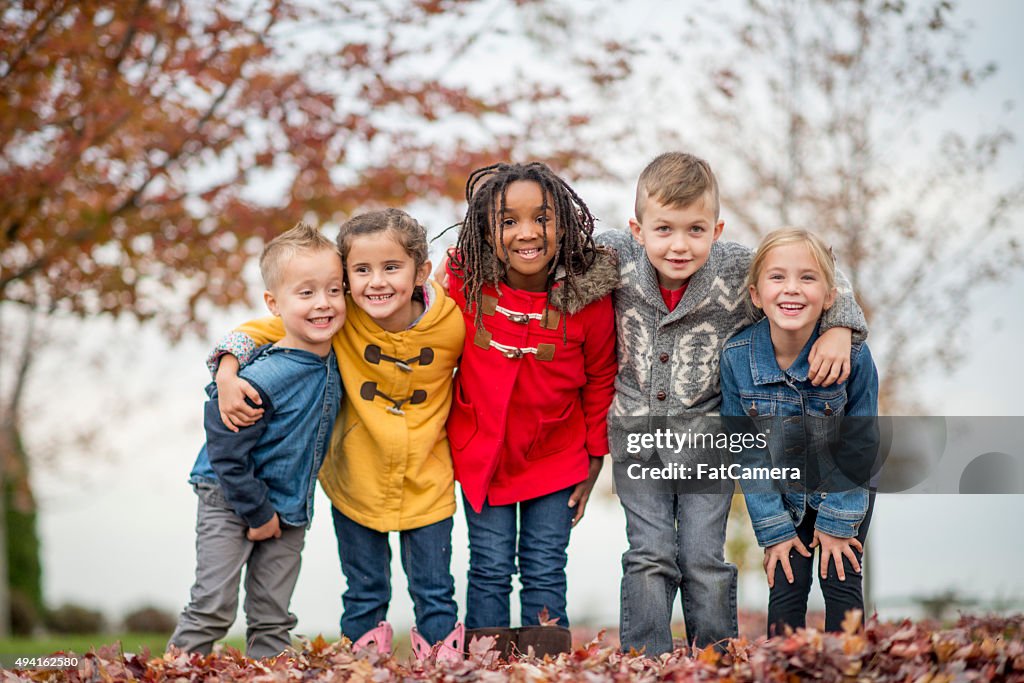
(792, 290)
(309, 299)
(524, 236)
(677, 239)
(382, 277)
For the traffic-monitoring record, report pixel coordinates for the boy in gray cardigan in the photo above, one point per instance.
(682, 296)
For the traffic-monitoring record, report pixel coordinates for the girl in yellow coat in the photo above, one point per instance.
(389, 467)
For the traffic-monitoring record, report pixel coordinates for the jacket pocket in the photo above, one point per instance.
(757, 405)
(558, 434)
(462, 424)
(824, 416)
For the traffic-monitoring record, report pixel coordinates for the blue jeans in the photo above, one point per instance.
(676, 544)
(366, 563)
(543, 530)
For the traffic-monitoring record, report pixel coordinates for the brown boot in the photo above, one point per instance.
(545, 640)
(503, 640)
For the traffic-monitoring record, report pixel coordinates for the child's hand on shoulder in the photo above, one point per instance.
(581, 494)
(271, 529)
(232, 392)
(833, 548)
(830, 357)
(779, 553)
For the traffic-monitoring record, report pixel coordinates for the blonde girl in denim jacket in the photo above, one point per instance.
(829, 433)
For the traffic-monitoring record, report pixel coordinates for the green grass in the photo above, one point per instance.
(12, 648)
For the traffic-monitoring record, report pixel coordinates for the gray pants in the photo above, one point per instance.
(271, 571)
(676, 545)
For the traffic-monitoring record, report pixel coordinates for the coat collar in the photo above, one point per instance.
(440, 306)
(763, 366)
(697, 288)
(599, 280)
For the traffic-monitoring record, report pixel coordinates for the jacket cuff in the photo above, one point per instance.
(260, 516)
(845, 312)
(773, 530)
(597, 444)
(840, 514)
(238, 344)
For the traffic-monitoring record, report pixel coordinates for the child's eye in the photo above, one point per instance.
(360, 269)
(810, 278)
(306, 292)
(775, 276)
(334, 291)
(697, 228)
(543, 220)
(391, 267)
(662, 228)
(508, 222)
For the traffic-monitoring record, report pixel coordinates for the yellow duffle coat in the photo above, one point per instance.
(389, 467)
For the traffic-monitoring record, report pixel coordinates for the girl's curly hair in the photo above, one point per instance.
(474, 258)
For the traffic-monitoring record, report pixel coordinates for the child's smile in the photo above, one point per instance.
(382, 277)
(677, 240)
(525, 234)
(791, 290)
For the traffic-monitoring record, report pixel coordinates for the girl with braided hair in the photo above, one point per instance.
(528, 420)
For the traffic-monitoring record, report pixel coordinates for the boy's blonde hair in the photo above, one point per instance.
(820, 252)
(302, 237)
(676, 179)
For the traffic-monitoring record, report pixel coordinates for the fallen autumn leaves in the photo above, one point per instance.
(976, 649)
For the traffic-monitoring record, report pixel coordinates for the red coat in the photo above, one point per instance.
(523, 424)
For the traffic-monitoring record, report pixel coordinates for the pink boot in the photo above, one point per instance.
(451, 649)
(380, 637)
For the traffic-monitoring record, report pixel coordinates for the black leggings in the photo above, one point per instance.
(787, 602)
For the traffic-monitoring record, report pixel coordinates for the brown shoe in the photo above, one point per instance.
(545, 640)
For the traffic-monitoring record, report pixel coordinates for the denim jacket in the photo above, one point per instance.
(804, 426)
(272, 465)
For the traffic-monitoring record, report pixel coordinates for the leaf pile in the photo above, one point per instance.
(976, 649)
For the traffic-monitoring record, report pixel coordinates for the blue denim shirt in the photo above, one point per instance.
(804, 426)
(272, 466)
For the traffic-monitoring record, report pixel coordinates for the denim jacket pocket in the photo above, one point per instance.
(758, 406)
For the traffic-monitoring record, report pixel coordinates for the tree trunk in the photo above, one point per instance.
(15, 488)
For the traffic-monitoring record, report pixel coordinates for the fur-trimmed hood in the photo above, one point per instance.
(600, 279)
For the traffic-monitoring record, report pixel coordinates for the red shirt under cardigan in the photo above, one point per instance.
(523, 427)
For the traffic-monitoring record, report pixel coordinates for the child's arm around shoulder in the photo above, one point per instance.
(841, 326)
(239, 402)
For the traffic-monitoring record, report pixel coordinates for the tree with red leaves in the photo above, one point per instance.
(138, 141)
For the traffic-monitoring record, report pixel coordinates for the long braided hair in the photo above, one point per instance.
(474, 258)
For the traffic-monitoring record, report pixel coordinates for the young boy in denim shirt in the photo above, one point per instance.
(681, 297)
(255, 484)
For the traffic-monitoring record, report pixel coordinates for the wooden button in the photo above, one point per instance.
(663, 358)
(662, 396)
